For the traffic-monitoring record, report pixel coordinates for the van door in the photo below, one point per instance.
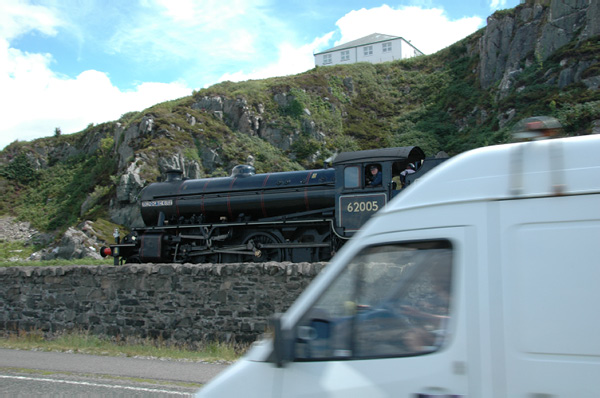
(549, 323)
(390, 324)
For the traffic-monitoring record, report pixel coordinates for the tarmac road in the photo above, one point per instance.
(67, 374)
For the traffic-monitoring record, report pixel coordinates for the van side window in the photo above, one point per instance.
(392, 300)
(352, 177)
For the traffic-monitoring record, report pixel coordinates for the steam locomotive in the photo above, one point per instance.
(297, 216)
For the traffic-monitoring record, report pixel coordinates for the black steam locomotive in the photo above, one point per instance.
(298, 216)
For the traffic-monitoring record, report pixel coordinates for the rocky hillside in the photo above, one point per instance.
(540, 58)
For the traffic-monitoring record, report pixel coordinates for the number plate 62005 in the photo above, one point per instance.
(355, 210)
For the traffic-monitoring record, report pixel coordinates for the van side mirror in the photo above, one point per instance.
(281, 344)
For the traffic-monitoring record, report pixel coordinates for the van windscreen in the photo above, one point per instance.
(391, 300)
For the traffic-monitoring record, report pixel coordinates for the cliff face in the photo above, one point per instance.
(530, 34)
(541, 57)
(239, 116)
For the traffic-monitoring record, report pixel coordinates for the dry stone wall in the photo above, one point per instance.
(185, 302)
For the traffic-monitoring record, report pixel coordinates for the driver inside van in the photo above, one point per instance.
(415, 318)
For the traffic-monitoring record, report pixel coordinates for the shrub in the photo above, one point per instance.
(19, 169)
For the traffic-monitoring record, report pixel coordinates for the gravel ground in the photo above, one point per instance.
(13, 230)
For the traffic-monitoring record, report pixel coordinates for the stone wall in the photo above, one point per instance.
(183, 303)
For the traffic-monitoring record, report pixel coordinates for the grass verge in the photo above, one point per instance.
(85, 343)
(51, 263)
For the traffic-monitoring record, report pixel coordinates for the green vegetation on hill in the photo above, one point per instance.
(52, 199)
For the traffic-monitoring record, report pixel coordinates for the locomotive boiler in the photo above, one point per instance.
(243, 196)
(298, 216)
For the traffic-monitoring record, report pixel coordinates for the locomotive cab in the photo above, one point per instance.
(367, 180)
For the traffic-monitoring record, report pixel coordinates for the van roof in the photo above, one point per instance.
(528, 169)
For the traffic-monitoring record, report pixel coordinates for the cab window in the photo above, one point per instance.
(373, 176)
(392, 300)
(352, 177)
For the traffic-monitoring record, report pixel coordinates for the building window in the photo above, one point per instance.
(326, 59)
(345, 55)
(387, 47)
(368, 50)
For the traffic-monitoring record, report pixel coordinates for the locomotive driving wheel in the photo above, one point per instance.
(258, 242)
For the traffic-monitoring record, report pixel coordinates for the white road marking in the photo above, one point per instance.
(84, 383)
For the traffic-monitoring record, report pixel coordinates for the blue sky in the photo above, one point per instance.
(69, 63)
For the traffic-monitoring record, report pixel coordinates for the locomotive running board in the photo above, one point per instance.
(203, 252)
(235, 224)
(292, 245)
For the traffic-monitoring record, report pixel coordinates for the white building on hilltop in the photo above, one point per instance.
(374, 48)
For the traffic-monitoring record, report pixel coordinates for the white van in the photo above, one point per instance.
(480, 280)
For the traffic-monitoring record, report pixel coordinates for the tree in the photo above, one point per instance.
(57, 132)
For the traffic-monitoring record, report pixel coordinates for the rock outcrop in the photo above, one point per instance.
(238, 115)
(80, 242)
(534, 32)
(234, 112)
(133, 160)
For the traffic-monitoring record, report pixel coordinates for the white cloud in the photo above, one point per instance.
(496, 4)
(209, 32)
(36, 100)
(214, 13)
(290, 60)
(18, 17)
(429, 30)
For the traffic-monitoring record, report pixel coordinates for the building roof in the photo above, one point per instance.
(370, 39)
